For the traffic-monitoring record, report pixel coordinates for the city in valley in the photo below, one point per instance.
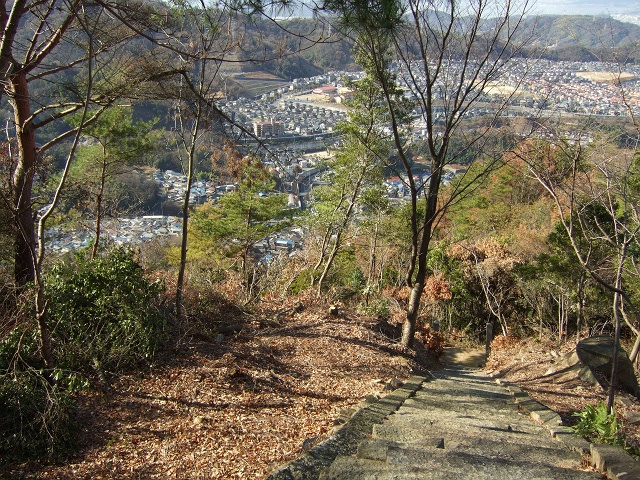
(294, 124)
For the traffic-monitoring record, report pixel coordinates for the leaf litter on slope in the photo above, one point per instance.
(236, 409)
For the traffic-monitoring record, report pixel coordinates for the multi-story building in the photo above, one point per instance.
(268, 129)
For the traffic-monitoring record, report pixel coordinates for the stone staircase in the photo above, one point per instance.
(462, 425)
(458, 424)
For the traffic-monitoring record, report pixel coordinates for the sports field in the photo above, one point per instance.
(606, 77)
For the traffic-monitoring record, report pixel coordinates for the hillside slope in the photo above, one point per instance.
(234, 409)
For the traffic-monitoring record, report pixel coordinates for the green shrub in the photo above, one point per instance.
(103, 312)
(598, 425)
(357, 279)
(377, 307)
(36, 418)
(301, 282)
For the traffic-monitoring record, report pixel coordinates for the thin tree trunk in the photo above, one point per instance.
(41, 305)
(323, 248)
(580, 313)
(329, 262)
(616, 315)
(184, 242)
(411, 320)
(634, 352)
(560, 317)
(540, 326)
(22, 181)
(245, 254)
(616, 349)
(372, 263)
(103, 176)
(326, 239)
(191, 155)
(410, 324)
(342, 228)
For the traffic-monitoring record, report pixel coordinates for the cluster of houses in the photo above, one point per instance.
(565, 86)
(304, 118)
(286, 242)
(589, 88)
(398, 186)
(120, 231)
(574, 87)
(286, 117)
(560, 86)
(173, 186)
(286, 111)
(133, 231)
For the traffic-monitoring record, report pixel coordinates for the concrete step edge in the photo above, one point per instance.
(346, 439)
(613, 461)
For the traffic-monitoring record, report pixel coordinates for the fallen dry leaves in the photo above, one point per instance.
(234, 409)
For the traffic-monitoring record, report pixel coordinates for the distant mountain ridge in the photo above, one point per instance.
(587, 7)
(584, 37)
(579, 38)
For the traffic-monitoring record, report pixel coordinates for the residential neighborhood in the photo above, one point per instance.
(310, 110)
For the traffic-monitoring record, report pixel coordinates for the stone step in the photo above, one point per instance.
(554, 454)
(415, 453)
(463, 426)
(521, 434)
(451, 465)
(378, 449)
(464, 391)
(451, 408)
(460, 426)
(470, 417)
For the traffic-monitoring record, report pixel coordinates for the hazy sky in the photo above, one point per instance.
(570, 7)
(587, 7)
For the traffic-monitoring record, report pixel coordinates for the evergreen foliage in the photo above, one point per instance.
(105, 312)
(105, 316)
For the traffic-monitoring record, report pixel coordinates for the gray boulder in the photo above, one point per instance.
(591, 361)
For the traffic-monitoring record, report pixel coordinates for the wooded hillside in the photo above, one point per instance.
(426, 200)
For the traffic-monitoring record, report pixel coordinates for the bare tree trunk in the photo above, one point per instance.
(22, 181)
(103, 177)
(41, 306)
(191, 145)
(184, 241)
(44, 333)
(372, 262)
(410, 324)
(580, 312)
(326, 239)
(372, 254)
(634, 351)
(323, 249)
(342, 228)
(411, 320)
(329, 263)
(617, 297)
(616, 350)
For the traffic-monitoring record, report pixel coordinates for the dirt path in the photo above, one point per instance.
(455, 356)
